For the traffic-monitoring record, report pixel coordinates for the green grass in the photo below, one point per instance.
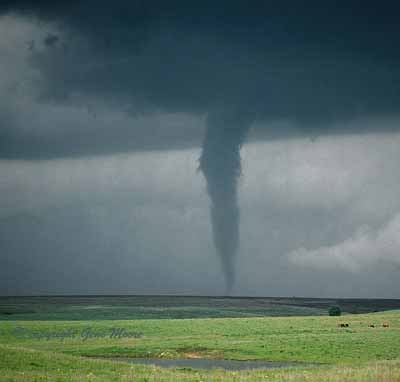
(141, 307)
(111, 312)
(67, 308)
(27, 365)
(356, 353)
(308, 339)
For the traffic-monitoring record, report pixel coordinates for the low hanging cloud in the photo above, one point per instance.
(366, 249)
(127, 217)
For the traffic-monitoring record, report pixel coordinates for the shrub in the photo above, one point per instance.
(334, 311)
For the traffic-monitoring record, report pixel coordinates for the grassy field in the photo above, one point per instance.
(27, 365)
(157, 307)
(54, 350)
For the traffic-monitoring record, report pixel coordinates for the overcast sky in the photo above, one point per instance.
(103, 114)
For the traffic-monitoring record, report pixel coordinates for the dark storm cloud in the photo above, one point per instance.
(309, 62)
(228, 65)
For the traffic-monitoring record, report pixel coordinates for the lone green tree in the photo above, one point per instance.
(334, 311)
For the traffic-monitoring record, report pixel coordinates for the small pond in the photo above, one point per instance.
(201, 363)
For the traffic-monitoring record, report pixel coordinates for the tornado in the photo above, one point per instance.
(221, 165)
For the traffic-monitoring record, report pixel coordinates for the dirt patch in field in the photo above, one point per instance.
(199, 352)
(193, 355)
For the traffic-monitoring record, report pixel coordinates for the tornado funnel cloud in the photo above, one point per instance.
(221, 166)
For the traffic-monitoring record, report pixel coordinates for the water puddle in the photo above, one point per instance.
(209, 364)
